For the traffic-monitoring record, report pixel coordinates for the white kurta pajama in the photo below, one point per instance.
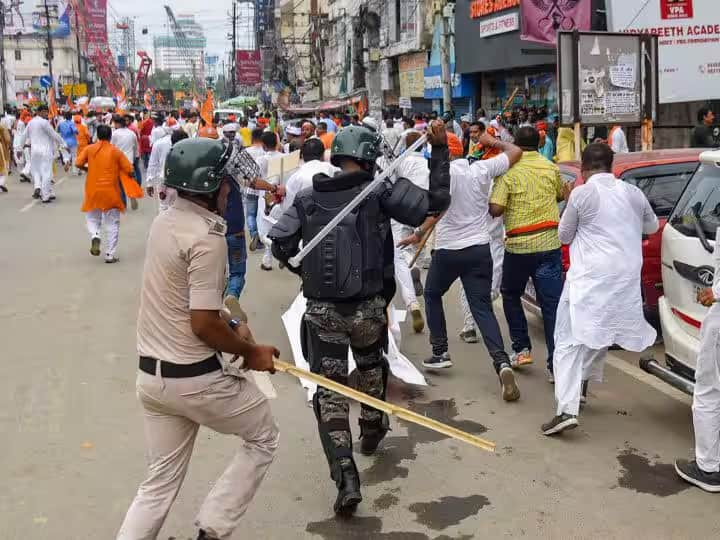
(601, 303)
(706, 396)
(414, 168)
(43, 142)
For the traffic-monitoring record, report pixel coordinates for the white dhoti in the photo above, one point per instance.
(573, 362)
(706, 397)
(400, 366)
(27, 171)
(264, 225)
(42, 174)
(110, 219)
(403, 277)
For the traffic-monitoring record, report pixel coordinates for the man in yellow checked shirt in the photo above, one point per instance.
(527, 197)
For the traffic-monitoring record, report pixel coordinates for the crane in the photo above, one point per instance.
(141, 79)
(184, 47)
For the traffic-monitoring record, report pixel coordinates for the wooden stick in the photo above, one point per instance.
(511, 98)
(421, 246)
(389, 408)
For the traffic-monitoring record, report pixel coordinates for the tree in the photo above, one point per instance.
(161, 80)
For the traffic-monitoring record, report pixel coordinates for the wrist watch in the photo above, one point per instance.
(234, 323)
(419, 232)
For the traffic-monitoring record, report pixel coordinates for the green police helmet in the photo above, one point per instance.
(195, 165)
(355, 142)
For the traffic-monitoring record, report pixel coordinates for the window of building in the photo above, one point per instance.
(408, 16)
(18, 54)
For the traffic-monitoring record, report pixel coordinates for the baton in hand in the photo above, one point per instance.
(359, 198)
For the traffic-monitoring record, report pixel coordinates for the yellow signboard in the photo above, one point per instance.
(75, 89)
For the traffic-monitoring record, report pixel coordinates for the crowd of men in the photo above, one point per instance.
(478, 203)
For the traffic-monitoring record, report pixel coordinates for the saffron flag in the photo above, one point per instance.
(208, 109)
(543, 19)
(52, 104)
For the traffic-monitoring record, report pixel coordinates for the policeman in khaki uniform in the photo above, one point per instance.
(183, 380)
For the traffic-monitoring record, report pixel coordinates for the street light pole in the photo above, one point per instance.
(3, 72)
(50, 53)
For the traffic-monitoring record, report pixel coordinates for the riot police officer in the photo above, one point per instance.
(183, 381)
(348, 280)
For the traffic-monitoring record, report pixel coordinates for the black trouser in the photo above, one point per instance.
(474, 266)
(328, 330)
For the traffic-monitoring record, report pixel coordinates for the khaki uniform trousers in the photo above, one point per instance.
(174, 409)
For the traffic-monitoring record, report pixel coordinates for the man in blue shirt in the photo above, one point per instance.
(69, 133)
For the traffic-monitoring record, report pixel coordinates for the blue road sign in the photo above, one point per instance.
(45, 81)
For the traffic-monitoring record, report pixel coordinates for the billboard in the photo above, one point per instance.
(20, 20)
(96, 35)
(689, 39)
(247, 67)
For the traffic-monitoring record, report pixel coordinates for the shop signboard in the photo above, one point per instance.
(405, 103)
(689, 40)
(75, 89)
(411, 68)
(249, 71)
(606, 78)
(462, 86)
(500, 24)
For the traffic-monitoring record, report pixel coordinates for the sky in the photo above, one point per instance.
(150, 14)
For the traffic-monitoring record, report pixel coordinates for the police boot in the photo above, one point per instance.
(347, 481)
(372, 432)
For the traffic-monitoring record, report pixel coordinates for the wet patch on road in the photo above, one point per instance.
(394, 450)
(358, 527)
(640, 475)
(448, 511)
(442, 410)
(385, 501)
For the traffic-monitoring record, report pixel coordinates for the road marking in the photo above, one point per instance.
(32, 203)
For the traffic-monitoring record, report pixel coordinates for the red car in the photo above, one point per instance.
(662, 176)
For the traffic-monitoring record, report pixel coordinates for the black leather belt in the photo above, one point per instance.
(179, 371)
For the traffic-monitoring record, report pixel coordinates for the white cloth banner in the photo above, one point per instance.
(400, 366)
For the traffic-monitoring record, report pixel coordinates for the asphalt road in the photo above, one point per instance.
(73, 450)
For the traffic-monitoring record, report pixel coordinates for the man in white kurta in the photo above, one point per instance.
(414, 168)
(601, 304)
(312, 153)
(44, 141)
(704, 470)
(156, 172)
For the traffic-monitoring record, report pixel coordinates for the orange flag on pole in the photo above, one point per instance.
(52, 104)
(208, 109)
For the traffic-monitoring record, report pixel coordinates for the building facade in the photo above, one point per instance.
(186, 59)
(26, 61)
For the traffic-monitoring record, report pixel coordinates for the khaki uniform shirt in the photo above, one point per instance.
(184, 269)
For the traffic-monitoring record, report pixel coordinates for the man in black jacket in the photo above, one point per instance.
(348, 280)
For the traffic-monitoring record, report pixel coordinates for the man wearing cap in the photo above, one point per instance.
(292, 133)
(183, 381)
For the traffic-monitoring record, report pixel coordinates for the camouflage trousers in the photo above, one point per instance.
(329, 329)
